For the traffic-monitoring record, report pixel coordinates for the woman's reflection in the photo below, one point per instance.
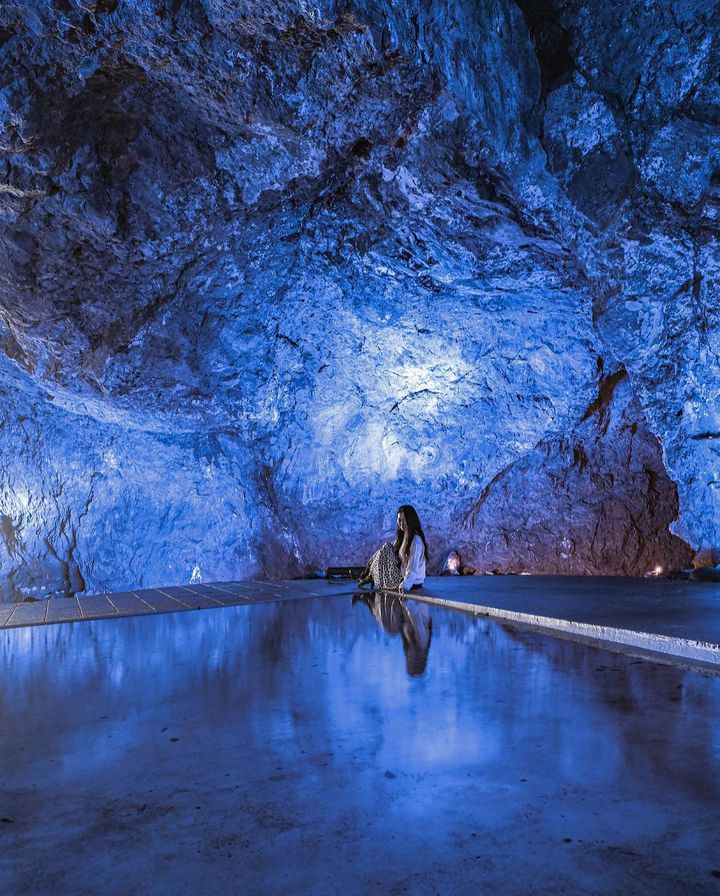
(412, 623)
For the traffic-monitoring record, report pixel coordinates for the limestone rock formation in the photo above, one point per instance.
(596, 498)
(269, 270)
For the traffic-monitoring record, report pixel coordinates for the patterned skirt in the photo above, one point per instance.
(384, 568)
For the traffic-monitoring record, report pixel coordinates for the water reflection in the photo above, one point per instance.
(251, 735)
(291, 678)
(412, 622)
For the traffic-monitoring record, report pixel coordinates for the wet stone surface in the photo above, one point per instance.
(288, 746)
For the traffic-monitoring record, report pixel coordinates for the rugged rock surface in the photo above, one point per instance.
(268, 270)
(642, 164)
(597, 498)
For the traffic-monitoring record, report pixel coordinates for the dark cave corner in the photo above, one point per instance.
(552, 38)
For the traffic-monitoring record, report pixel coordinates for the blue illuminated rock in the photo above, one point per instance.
(657, 66)
(540, 516)
(268, 271)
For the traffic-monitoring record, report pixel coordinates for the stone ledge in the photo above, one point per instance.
(649, 645)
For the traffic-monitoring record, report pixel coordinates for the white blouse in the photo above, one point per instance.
(414, 569)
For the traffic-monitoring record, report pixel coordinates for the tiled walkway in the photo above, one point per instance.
(162, 600)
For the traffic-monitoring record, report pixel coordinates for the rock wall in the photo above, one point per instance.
(596, 498)
(269, 270)
(632, 130)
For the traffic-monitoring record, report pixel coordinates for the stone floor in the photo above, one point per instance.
(285, 747)
(675, 621)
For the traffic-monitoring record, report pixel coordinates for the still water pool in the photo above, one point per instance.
(328, 745)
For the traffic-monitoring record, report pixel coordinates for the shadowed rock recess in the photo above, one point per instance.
(268, 270)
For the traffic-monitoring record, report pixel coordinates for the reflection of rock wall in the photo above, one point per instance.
(597, 498)
(264, 278)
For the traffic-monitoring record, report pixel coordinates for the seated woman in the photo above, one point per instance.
(400, 565)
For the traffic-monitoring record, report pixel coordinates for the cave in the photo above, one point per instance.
(266, 275)
(270, 271)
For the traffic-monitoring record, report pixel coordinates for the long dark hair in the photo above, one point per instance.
(413, 527)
